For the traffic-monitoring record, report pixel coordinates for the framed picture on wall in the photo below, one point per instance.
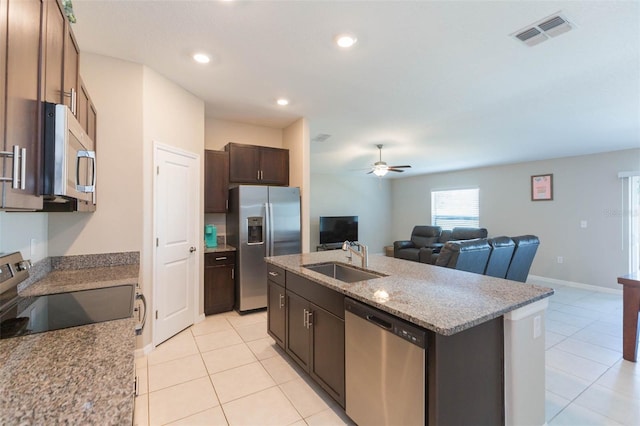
(542, 187)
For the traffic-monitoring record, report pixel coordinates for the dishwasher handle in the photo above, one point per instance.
(379, 322)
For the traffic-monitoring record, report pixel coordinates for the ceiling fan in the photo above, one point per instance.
(380, 168)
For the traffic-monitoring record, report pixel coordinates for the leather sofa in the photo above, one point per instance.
(501, 252)
(430, 254)
(525, 250)
(469, 255)
(421, 236)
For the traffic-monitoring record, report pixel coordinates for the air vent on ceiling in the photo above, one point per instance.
(320, 137)
(540, 31)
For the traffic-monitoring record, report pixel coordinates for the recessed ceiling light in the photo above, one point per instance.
(201, 58)
(346, 40)
(282, 102)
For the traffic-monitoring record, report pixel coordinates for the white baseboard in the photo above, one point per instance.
(200, 318)
(143, 351)
(589, 287)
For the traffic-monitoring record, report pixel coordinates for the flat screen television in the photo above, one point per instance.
(337, 229)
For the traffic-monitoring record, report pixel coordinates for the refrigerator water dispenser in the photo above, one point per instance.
(254, 230)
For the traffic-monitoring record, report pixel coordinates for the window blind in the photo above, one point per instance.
(459, 207)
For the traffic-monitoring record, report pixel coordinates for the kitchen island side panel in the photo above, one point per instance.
(465, 376)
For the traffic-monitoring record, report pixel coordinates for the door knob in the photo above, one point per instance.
(192, 249)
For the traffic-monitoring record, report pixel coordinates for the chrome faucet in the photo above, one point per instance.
(362, 252)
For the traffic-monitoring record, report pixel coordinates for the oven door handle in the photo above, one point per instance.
(140, 327)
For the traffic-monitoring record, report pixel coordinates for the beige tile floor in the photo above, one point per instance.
(227, 370)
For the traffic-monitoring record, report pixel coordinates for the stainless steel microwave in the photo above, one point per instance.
(69, 162)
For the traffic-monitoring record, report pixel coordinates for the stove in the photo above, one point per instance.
(20, 316)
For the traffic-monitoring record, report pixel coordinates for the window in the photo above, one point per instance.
(458, 207)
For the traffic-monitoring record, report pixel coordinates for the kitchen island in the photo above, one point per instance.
(480, 328)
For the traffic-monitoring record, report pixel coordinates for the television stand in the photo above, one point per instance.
(325, 247)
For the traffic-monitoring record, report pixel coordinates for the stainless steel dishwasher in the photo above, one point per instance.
(385, 367)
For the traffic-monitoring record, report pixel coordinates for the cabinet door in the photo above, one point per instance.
(327, 352)
(218, 289)
(22, 102)
(83, 104)
(298, 336)
(274, 166)
(244, 161)
(216, 181)
(92, 122)
(54, 52)
(276, 312)
(71, 70)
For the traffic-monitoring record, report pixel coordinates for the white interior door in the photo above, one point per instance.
(176, 207)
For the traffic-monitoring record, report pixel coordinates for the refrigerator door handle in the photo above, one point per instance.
(270, 233)
(267, 219)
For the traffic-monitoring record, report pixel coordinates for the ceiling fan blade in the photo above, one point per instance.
(399, 167)
(369, 172)
(395, 170)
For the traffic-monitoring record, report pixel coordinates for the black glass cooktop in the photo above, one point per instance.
(30, 315)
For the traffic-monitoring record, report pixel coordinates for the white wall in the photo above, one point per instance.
(17, 230)
(368, 197)
(218, 133)
(116, 226)
(585, 188)
(174, 117)
(295, 138)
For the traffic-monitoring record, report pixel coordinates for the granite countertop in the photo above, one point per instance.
(219, 248)
(79, 375)
(63, 280)
(440, 299)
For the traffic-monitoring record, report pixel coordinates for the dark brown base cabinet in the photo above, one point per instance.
(219, 282)
(276, 304)
(312, 318)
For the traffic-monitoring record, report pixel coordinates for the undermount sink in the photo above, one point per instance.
(343, 272)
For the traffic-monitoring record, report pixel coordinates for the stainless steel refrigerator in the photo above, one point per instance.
(262, 221)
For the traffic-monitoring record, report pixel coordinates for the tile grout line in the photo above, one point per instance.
(215, 392)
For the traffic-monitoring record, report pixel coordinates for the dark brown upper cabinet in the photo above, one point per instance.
(216, 181)
(87, 115)
(20, 110)
(251, 164)
(71, 70)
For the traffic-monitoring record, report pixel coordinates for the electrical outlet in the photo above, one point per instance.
(583, 224)
(537, 326)
(560, 259)
(32, 247)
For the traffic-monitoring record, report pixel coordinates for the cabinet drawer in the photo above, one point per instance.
(317, 294)
(220, 258)
(275, 274)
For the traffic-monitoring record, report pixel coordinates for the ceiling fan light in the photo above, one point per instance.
(380, 171)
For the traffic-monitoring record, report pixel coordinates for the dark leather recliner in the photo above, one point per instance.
(469, 255)
(525, 250)
(421, 236)
(430, 254)
(501, 253)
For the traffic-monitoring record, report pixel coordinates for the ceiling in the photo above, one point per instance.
(441, 84)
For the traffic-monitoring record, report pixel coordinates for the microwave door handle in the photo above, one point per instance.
(92, 156)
